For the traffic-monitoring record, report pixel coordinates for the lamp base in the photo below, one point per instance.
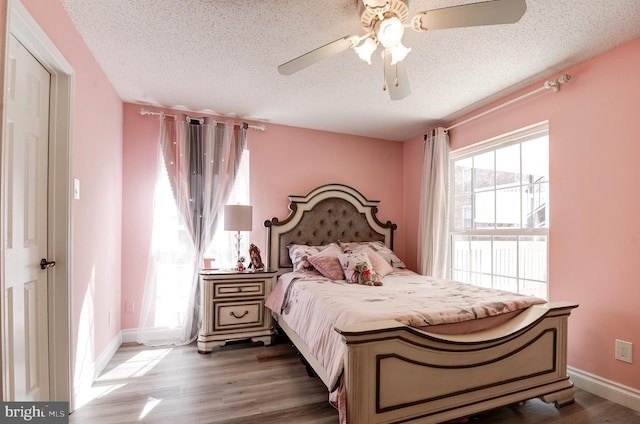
(239, 259)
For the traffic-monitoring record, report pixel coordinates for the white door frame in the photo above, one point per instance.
(28, 32)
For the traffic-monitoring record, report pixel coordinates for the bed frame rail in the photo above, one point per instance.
(394, 373)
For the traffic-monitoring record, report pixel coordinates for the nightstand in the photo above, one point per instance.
(232, 307)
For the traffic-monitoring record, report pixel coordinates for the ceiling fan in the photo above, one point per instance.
(384, 21)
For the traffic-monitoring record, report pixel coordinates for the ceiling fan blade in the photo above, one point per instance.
(396, 79)
(475, 14)
(317, 55)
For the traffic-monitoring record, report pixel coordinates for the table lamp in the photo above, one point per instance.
(238, 218)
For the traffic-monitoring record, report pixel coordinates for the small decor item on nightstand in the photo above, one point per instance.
(241, 264)
(208, 263)
(256, 260)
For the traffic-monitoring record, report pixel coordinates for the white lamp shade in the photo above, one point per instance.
(238, 218)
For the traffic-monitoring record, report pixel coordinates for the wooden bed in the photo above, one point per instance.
(394, 373)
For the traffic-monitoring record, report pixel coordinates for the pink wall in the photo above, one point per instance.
(97, 162)
(140, 152)
(293, 161)
(594, 240)
(284, 161)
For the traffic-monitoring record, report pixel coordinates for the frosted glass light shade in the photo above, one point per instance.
(398, 53)
(238, 218)
(390, 32)
(365, 50)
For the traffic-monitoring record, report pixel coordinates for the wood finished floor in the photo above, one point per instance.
(244, 384)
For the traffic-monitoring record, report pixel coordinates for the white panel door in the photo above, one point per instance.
(25, 172)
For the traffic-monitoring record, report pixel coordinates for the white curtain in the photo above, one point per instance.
(198, 161)
(434, 206)
(220, 246)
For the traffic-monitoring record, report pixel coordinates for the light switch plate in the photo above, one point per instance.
(76, 188)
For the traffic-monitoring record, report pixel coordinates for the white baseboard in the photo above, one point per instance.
(607, 389)
(129, 335)
(103, 360)
(151, 335)
(84, 382)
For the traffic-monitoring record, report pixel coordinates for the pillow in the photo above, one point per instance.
(299, 254)
(327, 263)
(378, 247)
(380, 265)
(349, 260)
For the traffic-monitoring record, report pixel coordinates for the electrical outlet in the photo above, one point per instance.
(110, 317)
(624, 351)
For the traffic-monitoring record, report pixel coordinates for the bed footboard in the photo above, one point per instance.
(394, 373)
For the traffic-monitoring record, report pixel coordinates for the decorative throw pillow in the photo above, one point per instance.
(379, 247)
(299, 254)
(327, 263)
(380, 265)
(349, 260)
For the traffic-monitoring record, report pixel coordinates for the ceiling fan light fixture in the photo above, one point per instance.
(366, 49)
(390, 32)
(399, 52)
(383, 23)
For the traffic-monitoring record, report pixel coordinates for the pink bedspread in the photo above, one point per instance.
(313, 306)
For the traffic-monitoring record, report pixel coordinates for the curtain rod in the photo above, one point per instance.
(553, 85)
(144, 111)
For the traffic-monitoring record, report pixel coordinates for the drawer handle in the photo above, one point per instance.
(233, 314)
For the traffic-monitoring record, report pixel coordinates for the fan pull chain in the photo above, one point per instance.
(384, 80)
(396, 81)
(397, 75)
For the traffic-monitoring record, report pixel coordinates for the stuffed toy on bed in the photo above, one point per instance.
(366, 276)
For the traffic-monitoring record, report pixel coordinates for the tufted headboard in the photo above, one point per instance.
(329, 213)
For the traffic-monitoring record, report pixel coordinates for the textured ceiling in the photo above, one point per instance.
(221, 57)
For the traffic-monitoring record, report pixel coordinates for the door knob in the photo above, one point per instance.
(44, 264)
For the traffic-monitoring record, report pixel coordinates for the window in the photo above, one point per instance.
(500, 213)
(221, 247)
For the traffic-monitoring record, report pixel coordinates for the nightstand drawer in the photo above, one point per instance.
(236, 289)
(231, 315)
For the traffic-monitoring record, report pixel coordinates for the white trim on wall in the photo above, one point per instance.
(83, 392)
(130, 335)
(607, 389)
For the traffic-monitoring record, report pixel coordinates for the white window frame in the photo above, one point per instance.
(489, 275)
